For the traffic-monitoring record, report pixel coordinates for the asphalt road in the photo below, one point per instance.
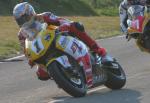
(18, 83)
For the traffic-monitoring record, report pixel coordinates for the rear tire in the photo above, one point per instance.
(55, 70)
(116, 78)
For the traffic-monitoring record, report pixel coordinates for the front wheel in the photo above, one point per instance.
(115, 75)
(71, 83)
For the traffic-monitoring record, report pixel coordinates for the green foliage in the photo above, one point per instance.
(8, 48)
(112, 11)
(59, 7)
(66, 7)
(103, 3)
(104, 7)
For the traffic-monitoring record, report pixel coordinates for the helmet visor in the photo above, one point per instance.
(21, 20)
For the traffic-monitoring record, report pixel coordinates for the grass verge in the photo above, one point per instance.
(97, 28)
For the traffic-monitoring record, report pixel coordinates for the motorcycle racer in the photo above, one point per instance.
(138, 23)
(124, 5)
(23, 12)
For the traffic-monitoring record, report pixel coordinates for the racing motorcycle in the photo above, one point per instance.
(138, 26)
(69, 62)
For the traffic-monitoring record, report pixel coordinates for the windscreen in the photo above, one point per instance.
(32, 28)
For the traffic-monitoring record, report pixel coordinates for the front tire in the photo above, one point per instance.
(75, 90)
(116, 77)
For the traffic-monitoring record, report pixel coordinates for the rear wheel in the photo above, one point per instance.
(115, 75)
(72, 83)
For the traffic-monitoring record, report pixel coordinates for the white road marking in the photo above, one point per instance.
(96, 89)
(120, 36)
(90, 91)
(13, 58)
(17, 57)
(60, 100)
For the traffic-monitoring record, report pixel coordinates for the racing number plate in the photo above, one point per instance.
(37, 45)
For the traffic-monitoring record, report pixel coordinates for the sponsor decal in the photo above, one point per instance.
(38, 49)
(47, 37)
(64, 42)
(75, 46)
(64, 61)
(37, 46)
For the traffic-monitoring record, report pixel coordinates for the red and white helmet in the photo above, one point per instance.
(23, 12)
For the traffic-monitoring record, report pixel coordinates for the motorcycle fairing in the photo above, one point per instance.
(37, 47)
(78, 51)
(72, 46)
(136, 24)
(136, 17)
(63, 60)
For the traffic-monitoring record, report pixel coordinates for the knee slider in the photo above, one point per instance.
(79, 26)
